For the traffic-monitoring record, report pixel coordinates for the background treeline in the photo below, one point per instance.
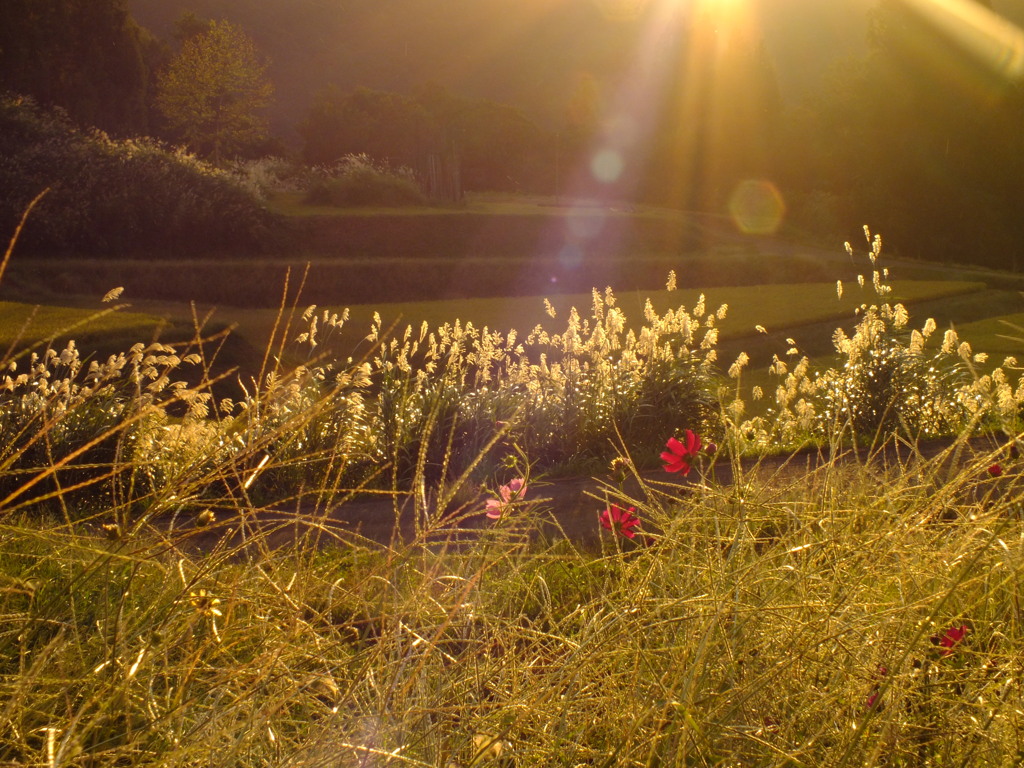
(497, 145)
(87, 56)
(906, 132)
(916, 137)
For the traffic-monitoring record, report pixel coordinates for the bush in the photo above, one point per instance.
(264, 176)
(127, 197)
(71, 429)
(887, 381)
(566, 400)
(357, 180)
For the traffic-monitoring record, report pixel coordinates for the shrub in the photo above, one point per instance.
(125, 197)
(566, 400)
(71, 429)
(263, 176)
(887, 381)
(358, 180)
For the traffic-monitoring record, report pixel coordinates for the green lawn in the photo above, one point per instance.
(1003, 335)
(25, 325)
(291, 204)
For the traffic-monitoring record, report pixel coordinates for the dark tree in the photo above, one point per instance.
(927, 148)
(383, 125)
(86, 56)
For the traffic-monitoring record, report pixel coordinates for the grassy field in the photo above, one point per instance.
(756, 612)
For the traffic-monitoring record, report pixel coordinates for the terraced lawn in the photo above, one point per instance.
(24, 325)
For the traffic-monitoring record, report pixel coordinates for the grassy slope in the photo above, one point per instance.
(26, 324)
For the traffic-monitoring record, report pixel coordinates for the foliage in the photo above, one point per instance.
(266, 176)
(357, 180)
(927, 148)
(214, 91)
(90, 58)
(886, 382)
(115, 197)
(495, 146)
(384, 126)
(566, 400)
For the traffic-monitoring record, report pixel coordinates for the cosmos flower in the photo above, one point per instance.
(876, 689)
(512, 491)
(677, 456)
(950, 638)
(624, 521)
(995, 470)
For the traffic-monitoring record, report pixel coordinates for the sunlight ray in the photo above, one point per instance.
(964, 44)
(984, 35)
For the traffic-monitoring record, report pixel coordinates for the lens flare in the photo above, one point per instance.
(607, 165)
(757, 207)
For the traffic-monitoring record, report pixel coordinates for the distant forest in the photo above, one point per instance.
(857, 112)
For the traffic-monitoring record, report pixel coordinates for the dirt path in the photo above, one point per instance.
(570, 506)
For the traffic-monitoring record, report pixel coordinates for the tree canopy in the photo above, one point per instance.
(215, 91)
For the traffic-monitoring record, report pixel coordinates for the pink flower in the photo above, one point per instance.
(876, 689)
(624, 521)
(677, 455)
(513, 491)
(949, 639)
(995, 470)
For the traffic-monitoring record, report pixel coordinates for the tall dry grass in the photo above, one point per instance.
(858, 614)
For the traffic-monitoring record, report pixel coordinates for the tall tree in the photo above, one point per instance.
(214, 92)
(86, 56)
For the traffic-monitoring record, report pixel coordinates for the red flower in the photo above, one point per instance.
(949, 639)
(622, 520)
(995, 470)
(677, 455)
